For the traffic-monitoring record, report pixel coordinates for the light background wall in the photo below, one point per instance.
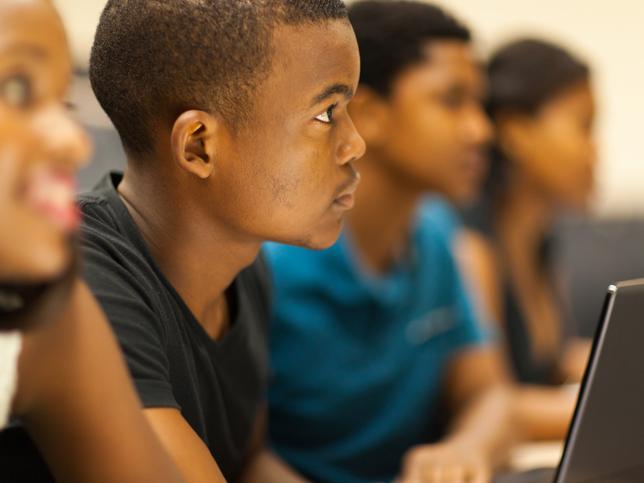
(609, 34)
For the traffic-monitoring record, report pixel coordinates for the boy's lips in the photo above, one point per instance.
(475, 163)
(346, 198)
(345, 201)
(51, 193)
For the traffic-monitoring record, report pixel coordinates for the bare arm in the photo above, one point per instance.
(196, 462)
(265, 466)
(186, 448)
(482, 429)
(575, 359)
(478, 265)
(482, 400)
(78, 403)
(542, 412)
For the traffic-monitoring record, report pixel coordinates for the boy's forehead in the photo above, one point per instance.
(448, 54)
(446, 62)
(310, 57)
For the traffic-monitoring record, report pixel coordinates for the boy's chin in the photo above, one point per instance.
(462, 195)
(320, 239)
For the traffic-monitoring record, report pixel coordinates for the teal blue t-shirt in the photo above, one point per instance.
(358, 360)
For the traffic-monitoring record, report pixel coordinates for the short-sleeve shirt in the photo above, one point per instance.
(358, 360)
(219, 386)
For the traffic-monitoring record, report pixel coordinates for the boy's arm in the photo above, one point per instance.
(188, 451)
(542, 412)
(482, 403)
(196, 462)
(478, 265)
(482, 429)
(265, 466)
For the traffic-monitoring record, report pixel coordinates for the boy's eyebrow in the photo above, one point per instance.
(331, 90)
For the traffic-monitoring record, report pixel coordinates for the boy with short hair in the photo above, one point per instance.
(233, 115)
(374, 342)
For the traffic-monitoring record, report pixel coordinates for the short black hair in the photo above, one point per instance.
(392, 35)
(153, 59)
(526, 73)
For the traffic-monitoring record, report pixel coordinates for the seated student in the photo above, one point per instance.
(234, 118)
(373, 338)
(541, 101)
(61, 371)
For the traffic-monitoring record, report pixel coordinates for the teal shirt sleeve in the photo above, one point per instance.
(446, 220)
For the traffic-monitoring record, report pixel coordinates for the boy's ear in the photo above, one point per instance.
(194, 142)
(369, 112)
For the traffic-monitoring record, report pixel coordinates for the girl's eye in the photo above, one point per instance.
(16, 91)
(70, 106)
(452, 101)
(327, 116)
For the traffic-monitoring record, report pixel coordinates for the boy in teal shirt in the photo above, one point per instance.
(379, 367)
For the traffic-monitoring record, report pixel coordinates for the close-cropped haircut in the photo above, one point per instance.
(153, 59)
(393, 35)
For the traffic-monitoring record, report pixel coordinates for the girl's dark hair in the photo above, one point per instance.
(523, 76)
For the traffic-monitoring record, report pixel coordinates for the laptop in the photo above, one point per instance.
(605, 441)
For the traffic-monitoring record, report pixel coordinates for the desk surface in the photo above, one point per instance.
(536, 455)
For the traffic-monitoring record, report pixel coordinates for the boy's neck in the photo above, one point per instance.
(198, 257)
(382, 219)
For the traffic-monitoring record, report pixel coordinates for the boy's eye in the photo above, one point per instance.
(327, 116)
(16, 91)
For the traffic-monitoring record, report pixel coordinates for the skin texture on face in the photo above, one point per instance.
(288, 174)
(554, 150)
(433, 130)
(40, 146)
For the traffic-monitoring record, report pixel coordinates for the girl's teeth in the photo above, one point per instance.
(52, 195)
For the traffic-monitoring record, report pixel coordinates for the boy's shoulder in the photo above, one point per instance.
(438, 227)
(438, 217)
(102, 221)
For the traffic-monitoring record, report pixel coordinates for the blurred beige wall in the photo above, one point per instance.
(610, 34)
(81, 18)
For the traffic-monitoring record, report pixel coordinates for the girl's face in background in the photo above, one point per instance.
(41, 147)
(554, 150)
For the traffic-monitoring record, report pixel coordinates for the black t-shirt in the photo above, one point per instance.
(219, 386)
